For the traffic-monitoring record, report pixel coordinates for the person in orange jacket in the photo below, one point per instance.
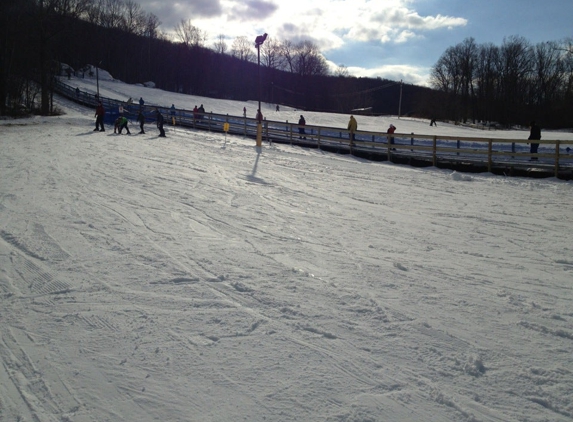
(352, 128)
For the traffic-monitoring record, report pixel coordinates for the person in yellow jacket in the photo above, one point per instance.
(352, 127)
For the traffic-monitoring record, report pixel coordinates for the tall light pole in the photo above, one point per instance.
(97, 78)
(258, 42)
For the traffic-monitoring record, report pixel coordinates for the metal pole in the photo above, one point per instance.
(259, 66)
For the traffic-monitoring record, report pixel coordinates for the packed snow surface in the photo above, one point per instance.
(198, 278)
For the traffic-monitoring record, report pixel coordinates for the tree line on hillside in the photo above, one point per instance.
(512, 83)
(117, 35)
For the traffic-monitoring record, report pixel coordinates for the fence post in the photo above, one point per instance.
(412, 141)
(489, 154)
(557, 144)
(434, 151)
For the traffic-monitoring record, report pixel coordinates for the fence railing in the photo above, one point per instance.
(555, 156)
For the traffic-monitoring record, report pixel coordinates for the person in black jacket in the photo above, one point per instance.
(534, 135)
(160, 122)
(141, 120)
(301, 130)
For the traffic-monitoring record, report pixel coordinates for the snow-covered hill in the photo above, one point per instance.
(194, 278)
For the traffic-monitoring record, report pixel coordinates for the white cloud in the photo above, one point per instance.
(331, 24)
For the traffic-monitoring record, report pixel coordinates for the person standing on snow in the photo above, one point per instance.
(99, 113)
(160, 122)
(173, 113)
(352, 128)
(390, 132)
(301, 124)
(534, 135)
(141, 120)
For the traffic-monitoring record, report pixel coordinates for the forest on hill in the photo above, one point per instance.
(509, 84)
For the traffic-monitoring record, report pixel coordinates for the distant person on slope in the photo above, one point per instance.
(123, 125)
(534, 135)
(301, 130)
(352, 128)
(141, 121)
(99, 113)
(390, 132)
(160, 122)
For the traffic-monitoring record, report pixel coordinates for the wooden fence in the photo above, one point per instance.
(500, 156)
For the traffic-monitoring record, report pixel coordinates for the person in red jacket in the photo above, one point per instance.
(390, 132)
(100, 112)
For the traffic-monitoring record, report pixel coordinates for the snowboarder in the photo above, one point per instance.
(301, 124)
(160, 123)
(99, 113)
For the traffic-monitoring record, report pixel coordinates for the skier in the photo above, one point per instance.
(123, 125)
(141, 120)
(173, 112)
(116, 125)
(201, 111)
(99, 113)
(301, 124)
(141, 102)
(160, 124)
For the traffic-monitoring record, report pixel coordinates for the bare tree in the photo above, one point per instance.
(342, 71)
(288, 53)
(242, 49)
(112, 14)
(220, 46)
(271, 53)
(189, 34)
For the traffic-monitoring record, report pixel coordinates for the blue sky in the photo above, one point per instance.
(394, 39)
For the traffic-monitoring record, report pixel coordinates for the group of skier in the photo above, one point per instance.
(121, 122)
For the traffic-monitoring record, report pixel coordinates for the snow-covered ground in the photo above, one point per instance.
(196, 278)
